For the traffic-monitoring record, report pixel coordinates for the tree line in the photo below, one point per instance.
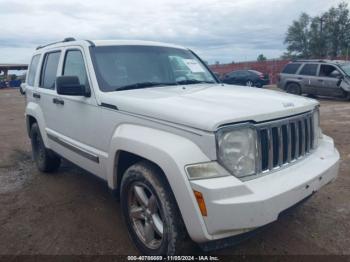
(323, 36)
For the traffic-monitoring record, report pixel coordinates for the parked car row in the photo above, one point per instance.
(11, 83)
(310, 77)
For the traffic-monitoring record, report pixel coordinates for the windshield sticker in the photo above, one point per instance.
(193, 65)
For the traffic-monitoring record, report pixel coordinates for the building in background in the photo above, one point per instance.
(11, 80)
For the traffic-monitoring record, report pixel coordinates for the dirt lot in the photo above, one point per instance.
(72, 212)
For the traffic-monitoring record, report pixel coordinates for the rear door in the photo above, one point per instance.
(309, 79)
(329, 79)
(46, 86)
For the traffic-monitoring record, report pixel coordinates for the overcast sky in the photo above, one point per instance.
(218, 30)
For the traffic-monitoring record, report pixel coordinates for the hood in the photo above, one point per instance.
(208, 106)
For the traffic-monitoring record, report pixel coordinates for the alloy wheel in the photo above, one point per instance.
(249, 83)
(145, 215)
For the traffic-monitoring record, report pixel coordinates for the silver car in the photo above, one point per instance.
(316, 77)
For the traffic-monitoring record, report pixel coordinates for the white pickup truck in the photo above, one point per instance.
(188, 156)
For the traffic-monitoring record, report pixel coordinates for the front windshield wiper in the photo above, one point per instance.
(143, 85)
(194, 81)
(152, 84)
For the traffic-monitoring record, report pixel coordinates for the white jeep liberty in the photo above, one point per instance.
(187, 154)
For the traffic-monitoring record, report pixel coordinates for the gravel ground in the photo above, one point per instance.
(72, 212)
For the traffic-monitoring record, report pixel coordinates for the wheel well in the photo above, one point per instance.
(292, 82)
(30, 121)
(124, 160)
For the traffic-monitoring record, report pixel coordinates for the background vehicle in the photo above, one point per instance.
(186, 154)
(316, 77)
(246, 78)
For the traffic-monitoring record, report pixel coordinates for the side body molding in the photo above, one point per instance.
(171, 153)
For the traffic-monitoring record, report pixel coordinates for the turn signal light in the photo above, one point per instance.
(201, 203)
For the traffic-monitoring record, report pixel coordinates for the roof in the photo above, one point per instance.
(13, 66)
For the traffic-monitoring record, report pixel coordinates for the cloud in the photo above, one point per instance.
(223, 30)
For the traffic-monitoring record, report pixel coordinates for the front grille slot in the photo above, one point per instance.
(284, 141)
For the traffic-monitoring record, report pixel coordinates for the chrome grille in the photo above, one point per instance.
(284, 141)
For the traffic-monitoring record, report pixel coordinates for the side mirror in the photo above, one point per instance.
(336, 74)
(70, 86)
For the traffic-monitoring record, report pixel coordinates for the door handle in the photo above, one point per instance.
(319, 80)
(300, 78)
(58, 101)
(36, 95)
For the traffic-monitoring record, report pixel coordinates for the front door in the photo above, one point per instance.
(71, 121)
(329, 77)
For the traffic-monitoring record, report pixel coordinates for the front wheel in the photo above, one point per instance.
(150, 212)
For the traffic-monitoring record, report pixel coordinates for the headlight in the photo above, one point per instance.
(317, 129)
(237, 149)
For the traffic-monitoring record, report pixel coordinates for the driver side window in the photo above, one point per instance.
(74, 66)
(329, 71)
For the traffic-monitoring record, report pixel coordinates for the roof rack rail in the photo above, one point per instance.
(309, 60)
(67, 39)
(92, 44)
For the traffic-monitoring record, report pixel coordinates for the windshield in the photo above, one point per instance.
(131, 67)
(346, 68)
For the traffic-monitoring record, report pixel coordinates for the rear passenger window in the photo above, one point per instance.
(33, 68)
(49, 71)
(309, 70)
(291, 68)
(74, 66)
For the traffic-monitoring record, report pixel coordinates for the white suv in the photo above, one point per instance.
(187, 154)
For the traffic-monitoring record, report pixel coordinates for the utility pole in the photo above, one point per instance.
(322, 19)
(321, 45)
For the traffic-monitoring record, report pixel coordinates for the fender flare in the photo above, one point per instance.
(171, 153)
(34, 110)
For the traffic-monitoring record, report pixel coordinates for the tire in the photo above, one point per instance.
(21, 91)
(46, 160)
(148, 206)
(294, 89)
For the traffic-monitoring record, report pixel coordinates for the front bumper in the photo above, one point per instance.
(235, 207)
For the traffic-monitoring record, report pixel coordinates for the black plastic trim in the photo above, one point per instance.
(67, 39)
(109, 106)
(75, 149)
